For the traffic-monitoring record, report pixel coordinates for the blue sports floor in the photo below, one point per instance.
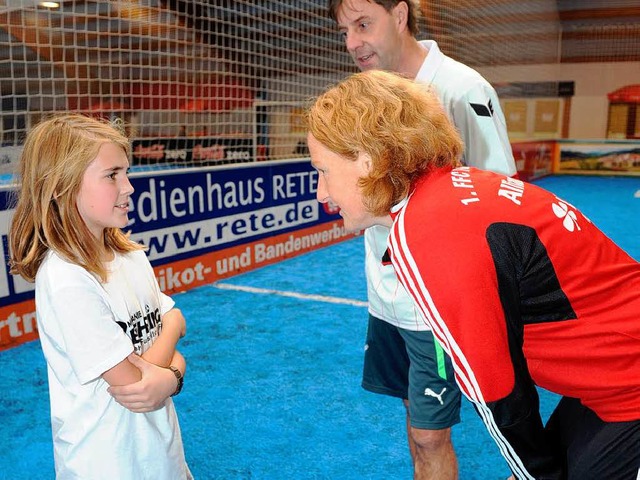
(273, 384)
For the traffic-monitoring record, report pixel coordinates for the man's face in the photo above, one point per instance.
(338, 183)
(371, 34)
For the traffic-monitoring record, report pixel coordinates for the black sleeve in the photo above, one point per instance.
(530, 293)
(517, 416)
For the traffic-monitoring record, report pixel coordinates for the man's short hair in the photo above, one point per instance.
(412, 17)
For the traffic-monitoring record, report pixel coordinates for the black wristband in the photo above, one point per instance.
(180, 379)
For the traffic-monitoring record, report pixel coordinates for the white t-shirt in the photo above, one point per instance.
(473, 106)
(82, 325)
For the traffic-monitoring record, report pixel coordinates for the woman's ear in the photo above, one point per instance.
(366, 163)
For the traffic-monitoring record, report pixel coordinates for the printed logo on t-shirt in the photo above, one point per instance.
(142, 329)
(513, 189)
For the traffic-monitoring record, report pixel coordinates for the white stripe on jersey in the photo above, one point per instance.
(408, 273)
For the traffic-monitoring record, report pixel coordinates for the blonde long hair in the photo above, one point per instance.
(55, 156)
(399, 123)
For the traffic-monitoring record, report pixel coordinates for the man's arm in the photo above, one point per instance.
(482, 125)
(517, 417)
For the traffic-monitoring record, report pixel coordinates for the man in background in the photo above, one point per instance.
(402, 358)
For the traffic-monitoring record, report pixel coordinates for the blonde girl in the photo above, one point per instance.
(107, 332)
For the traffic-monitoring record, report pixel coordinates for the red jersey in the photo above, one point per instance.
(521, 289)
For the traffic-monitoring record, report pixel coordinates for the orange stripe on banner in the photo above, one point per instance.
(18, 321)
(18, 324)
(213, 266)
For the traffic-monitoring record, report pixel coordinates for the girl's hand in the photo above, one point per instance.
(148, 394)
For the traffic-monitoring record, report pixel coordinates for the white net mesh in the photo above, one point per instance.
(219, 81)
(195, 82)
(497, 32)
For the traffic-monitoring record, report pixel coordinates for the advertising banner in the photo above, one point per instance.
(166, 152)
(191, 151)
(600, 158)
(534, 159)
(200, 226)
